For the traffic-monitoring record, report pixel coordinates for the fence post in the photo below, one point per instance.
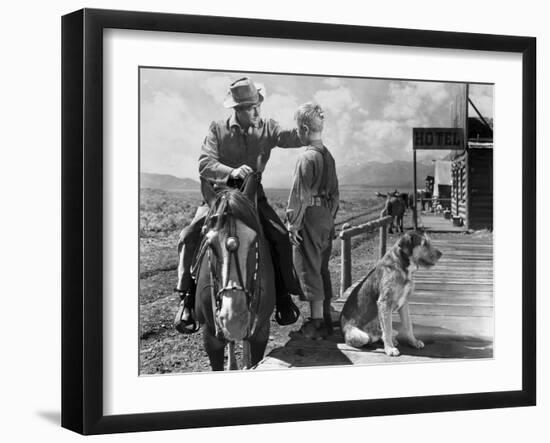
(346, 264)
(382, 240)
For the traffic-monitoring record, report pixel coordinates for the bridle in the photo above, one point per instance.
(232, 244)
(220, 288)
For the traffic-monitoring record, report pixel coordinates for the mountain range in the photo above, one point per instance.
(397, 174)
(167, 182)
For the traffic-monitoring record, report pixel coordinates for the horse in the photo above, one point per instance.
(235, 293)
(395, 207)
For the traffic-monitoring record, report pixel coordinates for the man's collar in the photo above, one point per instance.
(233, 121)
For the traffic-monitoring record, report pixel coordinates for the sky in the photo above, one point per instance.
(365, 119)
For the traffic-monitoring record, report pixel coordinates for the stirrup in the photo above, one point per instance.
(290, 317)
(191, 325)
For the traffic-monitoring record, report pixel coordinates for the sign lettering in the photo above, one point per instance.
(438, 138)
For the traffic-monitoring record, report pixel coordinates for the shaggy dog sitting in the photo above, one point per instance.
(367, 313)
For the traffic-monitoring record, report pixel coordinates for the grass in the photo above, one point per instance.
(162, 212)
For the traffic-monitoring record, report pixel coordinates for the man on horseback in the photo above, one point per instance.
(233, 149)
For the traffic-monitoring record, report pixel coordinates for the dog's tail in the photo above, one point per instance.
(356, 337)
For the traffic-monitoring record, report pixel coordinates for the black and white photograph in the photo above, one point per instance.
(275, 222)
(290, 221)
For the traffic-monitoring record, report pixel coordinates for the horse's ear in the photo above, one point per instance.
(250, 187)
(208, 192)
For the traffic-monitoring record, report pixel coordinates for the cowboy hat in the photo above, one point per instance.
(243, 92)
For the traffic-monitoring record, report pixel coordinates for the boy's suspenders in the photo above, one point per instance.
(323, 186)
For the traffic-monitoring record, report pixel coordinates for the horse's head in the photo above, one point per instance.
(232, 249)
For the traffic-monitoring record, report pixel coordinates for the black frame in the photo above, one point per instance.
(82, 235)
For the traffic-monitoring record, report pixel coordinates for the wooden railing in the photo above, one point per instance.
(347, 233)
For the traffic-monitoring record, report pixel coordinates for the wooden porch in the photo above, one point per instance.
(437, 223)
(452, 311)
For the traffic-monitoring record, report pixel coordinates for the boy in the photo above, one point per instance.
(312, 207)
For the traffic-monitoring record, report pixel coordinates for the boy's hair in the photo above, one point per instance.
(310, 114)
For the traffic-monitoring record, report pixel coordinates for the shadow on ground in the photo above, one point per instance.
(301, 352)
(440, 344)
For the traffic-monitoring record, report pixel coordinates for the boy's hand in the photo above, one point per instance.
(294, 237)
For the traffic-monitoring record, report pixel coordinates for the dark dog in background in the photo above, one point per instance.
(367, 313)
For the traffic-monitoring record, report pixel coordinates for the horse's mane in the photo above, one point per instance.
(239, 206)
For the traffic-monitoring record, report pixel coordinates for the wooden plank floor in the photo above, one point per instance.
(457, 293)
(452, 311)
(437, 223)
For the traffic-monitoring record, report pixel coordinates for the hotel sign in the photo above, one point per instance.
(438, 138)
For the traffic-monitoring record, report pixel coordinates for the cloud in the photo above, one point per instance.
(381, 140)
(436, 93)
(482, 96)
(162, 117)
(280, 88)
(332, 82)
(336, 100)
(403, 102)
(281, 108)
(217, 87)
(344, 112)
(170, 134)
(338, 133)
(414, 100)
(388, 135)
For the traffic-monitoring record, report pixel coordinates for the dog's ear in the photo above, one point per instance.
(425, 238)
(404, 250)
(405, 243)
(417, 239)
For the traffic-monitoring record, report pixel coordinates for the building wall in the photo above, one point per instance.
(459, 187)
(480, 205)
